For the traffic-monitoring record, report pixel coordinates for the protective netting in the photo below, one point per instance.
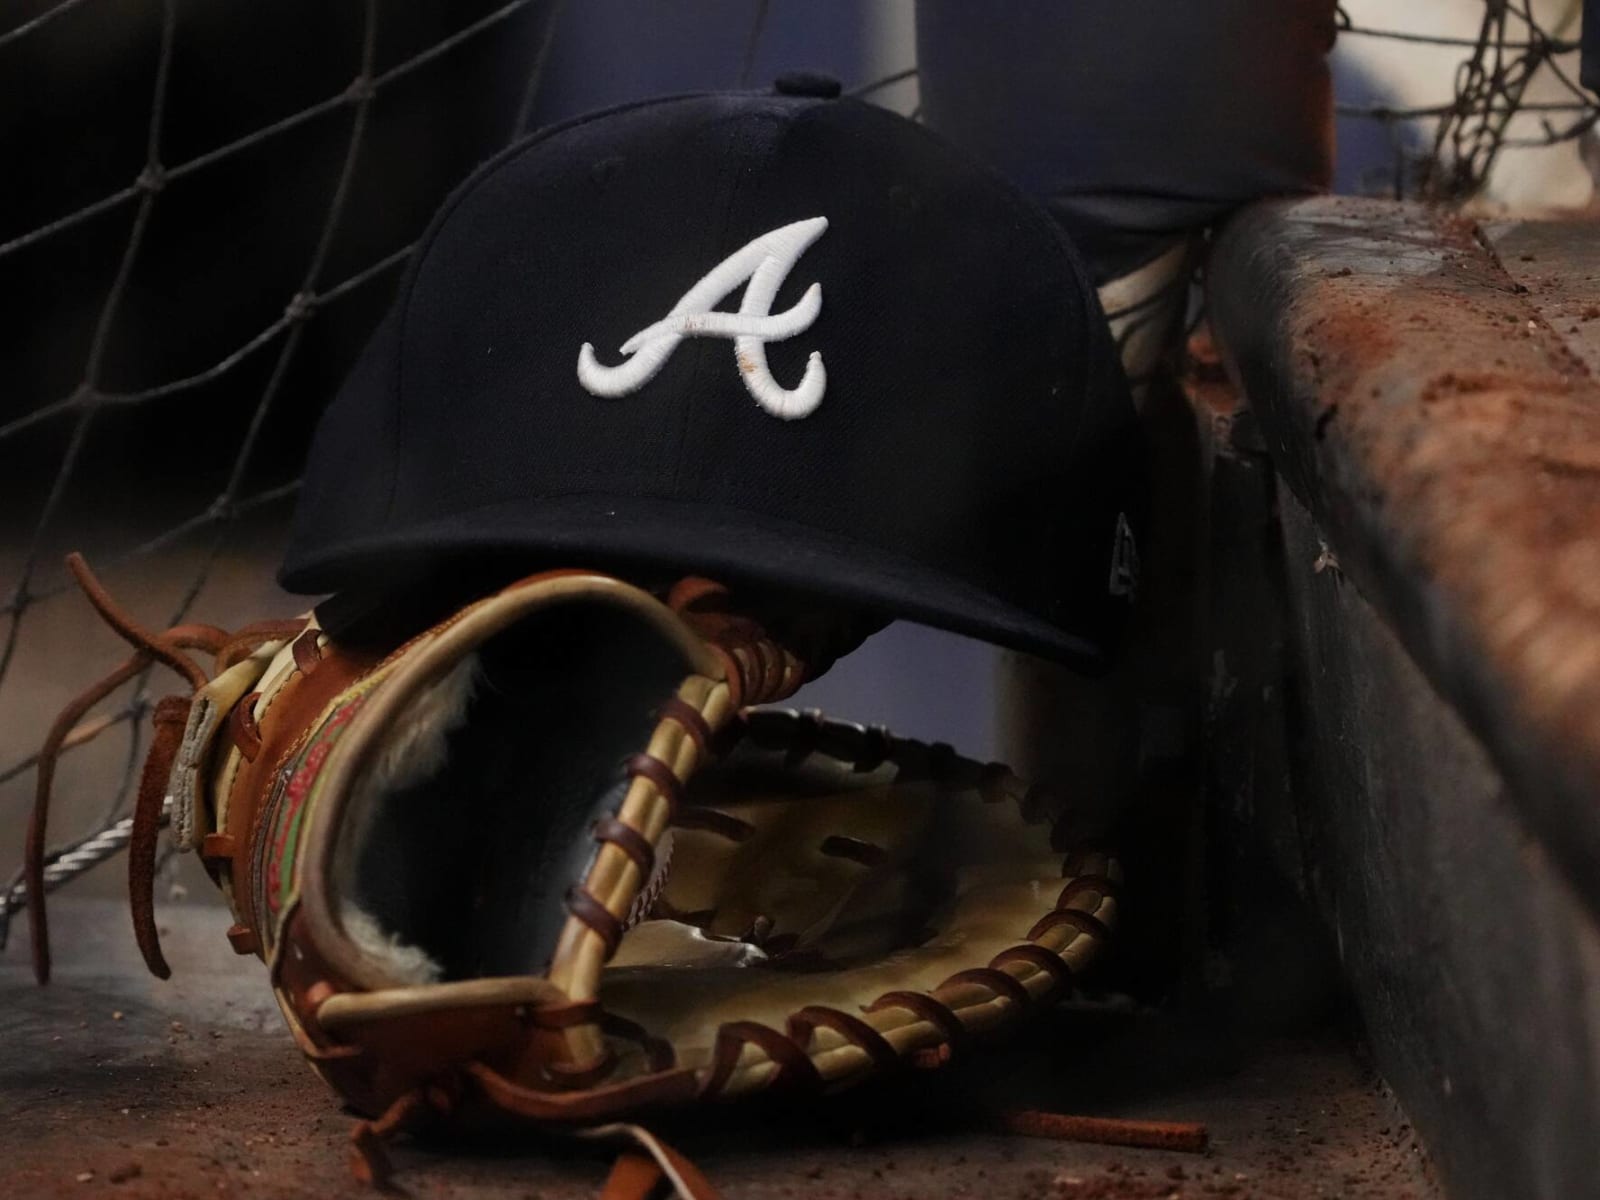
(225, 424)
(89, 400)
(1512, 72)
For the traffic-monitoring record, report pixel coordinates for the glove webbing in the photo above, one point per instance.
(939, 1019)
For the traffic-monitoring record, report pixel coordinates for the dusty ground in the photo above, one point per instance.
(113, 1083)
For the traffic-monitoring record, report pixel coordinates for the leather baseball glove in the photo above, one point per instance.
(543, 862)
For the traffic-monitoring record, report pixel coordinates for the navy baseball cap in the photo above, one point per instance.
(780, 337)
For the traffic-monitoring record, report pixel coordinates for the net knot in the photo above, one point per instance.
(152, 179)
(300, 307)
(361, 89)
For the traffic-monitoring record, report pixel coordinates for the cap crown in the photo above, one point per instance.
(802, 315)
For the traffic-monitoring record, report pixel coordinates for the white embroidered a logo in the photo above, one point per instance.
(765, 263)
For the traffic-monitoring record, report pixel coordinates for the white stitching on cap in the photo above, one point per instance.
(765, 262)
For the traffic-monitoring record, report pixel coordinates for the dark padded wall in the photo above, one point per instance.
(1135, 121)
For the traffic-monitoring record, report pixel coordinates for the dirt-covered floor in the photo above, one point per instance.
(112, 1082)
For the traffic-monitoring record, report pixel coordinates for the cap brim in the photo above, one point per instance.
(729, 544)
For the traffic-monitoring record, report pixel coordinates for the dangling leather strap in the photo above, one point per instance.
(59, 737)
(171, 715)
(49, 753)
(168, 649)
(639, 1171)
(369, 1160)
(634, 1176)
(163, 648)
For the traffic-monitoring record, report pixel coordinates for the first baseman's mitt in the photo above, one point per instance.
(540, 862)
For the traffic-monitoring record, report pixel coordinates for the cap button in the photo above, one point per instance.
(807, 83)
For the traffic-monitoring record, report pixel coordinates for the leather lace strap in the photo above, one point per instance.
(927, 1009)
(660, 774)
(853, 1029)
(642, 1167)
(664, 1087)
(758, 669)
(169, 649)
(639, 1171)
(369, 1158)
(1081, 921)
(627, 839)
(794, 1066)
(171, 715)
(583, 905)
(694, 724)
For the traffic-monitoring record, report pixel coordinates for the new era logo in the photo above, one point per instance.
(1124, 560)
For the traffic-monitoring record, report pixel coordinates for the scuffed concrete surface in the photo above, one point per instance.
(1559, 263)
(1442, 429)
(195, 1090)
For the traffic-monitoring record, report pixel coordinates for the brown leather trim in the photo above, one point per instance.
(654, 1169)
(290, 719)
(369, 1160)
(713, 821)
(925, 1008)
(1036, 955)
(1068, 916)
(317, 994)
(242, 728)
(583, 905)
(794, 1066)
(1100, 885)
(853, 1029)
(219, 847)
(692, 720)
(627, 839)
(563, 1016)
(243, 939)
(999, 982)
(766, 666)
(667, 1087)
(634, 1176)
(168, 649)
(307, 653)
(658, 773)
(170, 716)
(695, 592)
(732, 675)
